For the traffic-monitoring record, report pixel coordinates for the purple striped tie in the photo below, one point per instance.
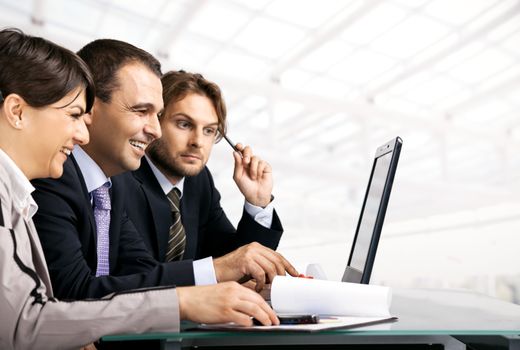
(101, 199)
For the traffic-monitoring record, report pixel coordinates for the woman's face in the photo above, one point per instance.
(53, 132)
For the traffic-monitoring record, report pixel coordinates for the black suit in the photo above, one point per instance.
(66, 226)
(208, 230)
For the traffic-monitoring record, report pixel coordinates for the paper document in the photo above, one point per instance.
(325, 323)
(338, 304)
(312, 296)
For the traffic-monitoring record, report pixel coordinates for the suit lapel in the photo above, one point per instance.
(157, 205)
(39, 261)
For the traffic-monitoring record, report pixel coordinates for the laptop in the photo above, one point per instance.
(366, 239)
(364, 247)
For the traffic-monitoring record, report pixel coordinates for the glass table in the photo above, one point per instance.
(450, 318)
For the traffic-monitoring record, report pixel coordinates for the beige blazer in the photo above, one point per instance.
(31, 318)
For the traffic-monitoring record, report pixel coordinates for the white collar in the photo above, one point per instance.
(92, 173)
(22, 188)
(166, 185)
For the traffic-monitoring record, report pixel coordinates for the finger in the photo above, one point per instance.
(276, 264)
(268, 259)
(247, 153)
(256, 307)
(279, 270)
(268, 310)
(267, 267)
(257, 273)
(265, 293)
(239, 167)
(239, 146)
(254, 310)
(249, 284)
(288, 266)
(241, 318)
(282, 264)
(253, 167)
(261, 168)
(267, 168)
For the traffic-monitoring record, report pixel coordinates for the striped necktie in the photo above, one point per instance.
(177, 236)
(101, 201)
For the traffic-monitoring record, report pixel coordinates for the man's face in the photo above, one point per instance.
(189, 128)
(121, 129)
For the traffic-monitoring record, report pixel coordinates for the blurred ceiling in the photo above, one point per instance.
(316, 86)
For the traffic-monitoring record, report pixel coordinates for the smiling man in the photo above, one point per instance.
(91, 247)
(173, 202)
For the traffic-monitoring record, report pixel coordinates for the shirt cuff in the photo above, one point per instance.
(264, 216)
(204, 271)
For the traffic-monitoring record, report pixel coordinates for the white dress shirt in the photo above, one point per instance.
(92, 173)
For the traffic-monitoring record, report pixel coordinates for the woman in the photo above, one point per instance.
(44, 92)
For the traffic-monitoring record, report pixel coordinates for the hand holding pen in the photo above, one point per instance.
(252, 175)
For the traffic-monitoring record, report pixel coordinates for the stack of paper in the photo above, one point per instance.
(339, 305)
(312, 296)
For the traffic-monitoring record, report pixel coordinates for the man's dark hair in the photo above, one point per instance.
(178, 84)
(40, 71)
(106, 56)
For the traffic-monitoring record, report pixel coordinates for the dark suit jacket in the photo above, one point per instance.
(66, 226)
(208, 230)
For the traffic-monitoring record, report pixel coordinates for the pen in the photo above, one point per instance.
(231, 144)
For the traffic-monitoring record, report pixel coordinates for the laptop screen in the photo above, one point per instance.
(372, 215)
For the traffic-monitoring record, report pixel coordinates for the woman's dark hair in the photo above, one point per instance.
(178, 84)
(40, 71)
